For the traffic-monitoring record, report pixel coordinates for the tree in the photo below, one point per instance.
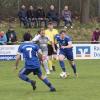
(99, 8)
(85, 10)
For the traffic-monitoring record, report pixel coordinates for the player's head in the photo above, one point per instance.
(50, 25)
(27, 37)
(62, 33)
(42, 32)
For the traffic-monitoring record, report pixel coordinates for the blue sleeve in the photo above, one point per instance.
(37, 48)
(69, 39)
(56, 37)
(20, 49)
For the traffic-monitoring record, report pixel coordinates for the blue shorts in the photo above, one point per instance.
(26, 71)
(68, 55)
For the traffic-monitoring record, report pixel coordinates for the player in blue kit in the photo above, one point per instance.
(31, 54)
(65, 51)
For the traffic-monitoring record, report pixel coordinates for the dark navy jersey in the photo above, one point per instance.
(63, 42)
(29, 51)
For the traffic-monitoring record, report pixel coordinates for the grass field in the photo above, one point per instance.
(85, 87)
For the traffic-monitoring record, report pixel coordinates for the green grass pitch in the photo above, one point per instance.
(85, 87)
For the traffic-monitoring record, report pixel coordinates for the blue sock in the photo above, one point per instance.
(74, 68)
(62, 66)
(46, 81)
(24, 78)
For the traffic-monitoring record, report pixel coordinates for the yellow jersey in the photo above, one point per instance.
(51, 34)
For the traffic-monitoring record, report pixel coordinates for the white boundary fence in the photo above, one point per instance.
(81, 51)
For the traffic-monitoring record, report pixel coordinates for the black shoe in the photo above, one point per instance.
(53, 90)
(33, 83)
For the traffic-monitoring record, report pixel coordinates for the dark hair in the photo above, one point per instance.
(27, 37)
(41, 29)
(50, 23)
(62, 31)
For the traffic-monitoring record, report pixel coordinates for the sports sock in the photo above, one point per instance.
(74, 68)
(47, 82)
(50, 64)
(62, 66)
(45, 63)
(53, 64)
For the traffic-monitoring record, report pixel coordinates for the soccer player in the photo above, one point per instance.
(31, 54)
(43, 40)
(65, 51)
(51, 32)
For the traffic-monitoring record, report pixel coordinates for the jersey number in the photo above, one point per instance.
(30, 52)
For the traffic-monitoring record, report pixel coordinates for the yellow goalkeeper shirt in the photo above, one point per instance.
(51, 34)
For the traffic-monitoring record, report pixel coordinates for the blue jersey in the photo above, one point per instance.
(29, 51)
(63, 42)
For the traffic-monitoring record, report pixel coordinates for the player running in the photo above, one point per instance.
(42, 41)
(31, 54)
(65, 51)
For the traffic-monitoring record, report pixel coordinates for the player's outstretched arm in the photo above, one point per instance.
(17, 60)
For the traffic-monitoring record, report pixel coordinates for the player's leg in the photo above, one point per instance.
(72, 62)
(45, 62)
(61, 62)
(50, 63)
(54, 57)
(23, 75)
(50, 60)
(44, 79)
(73, 65)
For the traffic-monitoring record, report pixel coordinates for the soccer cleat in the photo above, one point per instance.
(52, 90)
(33, 83)
(48, 72)
(76, 74)
(65, 27)
(71, 27)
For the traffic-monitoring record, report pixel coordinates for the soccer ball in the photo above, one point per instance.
(63, 75)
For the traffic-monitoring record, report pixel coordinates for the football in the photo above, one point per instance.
(63, 75)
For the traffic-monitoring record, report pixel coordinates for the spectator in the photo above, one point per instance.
(11, 36)
(95, 36)
(67, 16)
(40, 16)
(31, 15)
(3, 38)
(52, 15)
(22, 14)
